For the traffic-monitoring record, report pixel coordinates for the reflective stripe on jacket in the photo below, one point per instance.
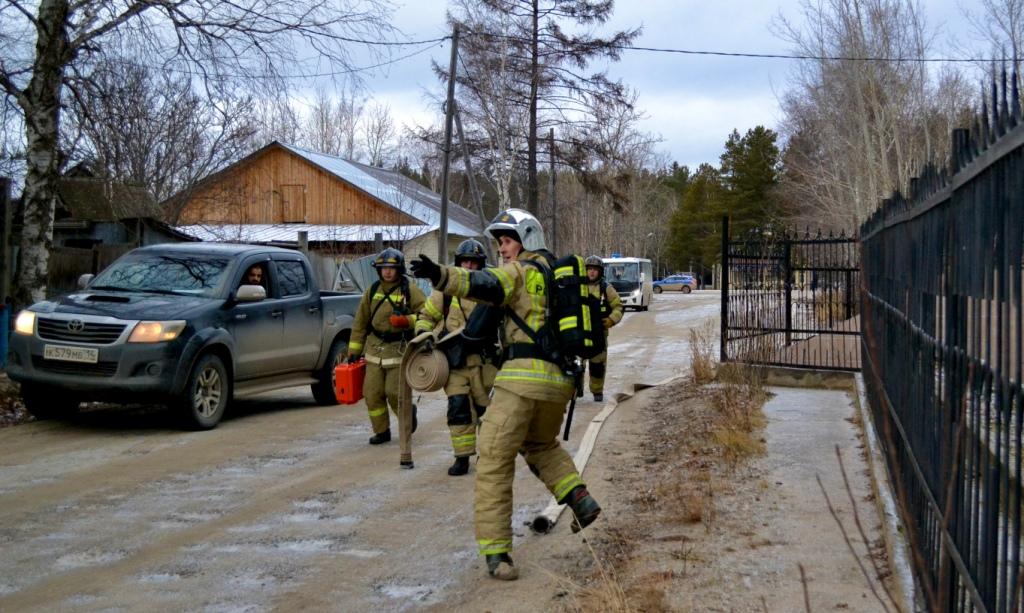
(522, 289)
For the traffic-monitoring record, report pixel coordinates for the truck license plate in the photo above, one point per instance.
(71, 354)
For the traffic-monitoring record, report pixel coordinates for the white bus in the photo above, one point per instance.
(633, 278)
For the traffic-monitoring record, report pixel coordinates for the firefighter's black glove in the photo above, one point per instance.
(425, 268)
(352, 358)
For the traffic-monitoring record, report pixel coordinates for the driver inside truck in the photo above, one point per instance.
(254, 276)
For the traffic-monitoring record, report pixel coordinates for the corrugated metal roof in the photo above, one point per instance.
(396, 190)
(288, 233)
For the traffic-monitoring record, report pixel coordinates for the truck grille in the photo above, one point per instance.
(99, 369)
(77, 331)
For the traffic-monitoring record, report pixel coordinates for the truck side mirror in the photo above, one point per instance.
(250, 293)
(83, 281)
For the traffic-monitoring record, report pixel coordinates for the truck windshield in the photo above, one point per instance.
(624, 277)
(162, 273)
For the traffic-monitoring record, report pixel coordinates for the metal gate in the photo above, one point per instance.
(790, 300)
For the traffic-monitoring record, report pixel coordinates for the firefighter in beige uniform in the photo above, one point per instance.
(611, 314)
(468, 387)
(384, 323)
(530, 392)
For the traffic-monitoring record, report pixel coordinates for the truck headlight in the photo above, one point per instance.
(25, 323)
(156, 331)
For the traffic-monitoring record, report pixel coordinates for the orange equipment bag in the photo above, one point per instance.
(348, 382)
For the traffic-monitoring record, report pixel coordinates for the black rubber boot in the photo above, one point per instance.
(381, 437)
(500, 566)
(598, 397)
(406, 464)
(460, 467)
(584, 508)
(415, 422)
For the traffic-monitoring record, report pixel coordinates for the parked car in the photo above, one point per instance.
(682, 283)
(191, 325)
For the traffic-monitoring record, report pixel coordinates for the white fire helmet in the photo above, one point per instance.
(523, 224)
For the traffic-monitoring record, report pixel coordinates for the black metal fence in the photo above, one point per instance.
(942, 357)
(790, 300)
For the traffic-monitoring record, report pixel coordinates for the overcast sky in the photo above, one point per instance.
(691, 102)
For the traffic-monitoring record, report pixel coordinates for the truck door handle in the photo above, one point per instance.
(240, 316)
(314, 309)
(276, 313)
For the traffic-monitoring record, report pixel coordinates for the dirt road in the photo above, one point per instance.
(282, 506)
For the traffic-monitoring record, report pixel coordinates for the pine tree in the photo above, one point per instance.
(522, 72)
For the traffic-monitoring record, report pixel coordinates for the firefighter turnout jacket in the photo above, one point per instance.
(611, 304)
(374, 332)
(522, 289)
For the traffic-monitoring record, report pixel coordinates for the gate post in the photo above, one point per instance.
(787, 272)
(723, 352)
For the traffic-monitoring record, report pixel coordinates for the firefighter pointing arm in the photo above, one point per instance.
(531, 392)
(611, 314)
(383, 324)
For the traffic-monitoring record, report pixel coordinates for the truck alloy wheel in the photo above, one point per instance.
(206, 394)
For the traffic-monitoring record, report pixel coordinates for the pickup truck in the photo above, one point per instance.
(183, 325)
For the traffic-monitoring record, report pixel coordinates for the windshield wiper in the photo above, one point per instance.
(149, 290)
(113, 288)
(160, 290)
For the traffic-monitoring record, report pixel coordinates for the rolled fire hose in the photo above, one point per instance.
(426, 370)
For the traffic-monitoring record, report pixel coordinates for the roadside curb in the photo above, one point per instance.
(547, 518)
(892, 526)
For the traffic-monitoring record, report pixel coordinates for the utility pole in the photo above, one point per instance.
(473, 191)
(6, 262)
(551, 192)
(6, 267)
(449, 110)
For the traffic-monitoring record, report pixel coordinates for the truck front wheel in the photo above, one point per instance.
(323, 389)
(45, 403)
(206, 394)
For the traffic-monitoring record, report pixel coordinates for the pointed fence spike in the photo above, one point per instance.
(1004, 106)
(1015, 97)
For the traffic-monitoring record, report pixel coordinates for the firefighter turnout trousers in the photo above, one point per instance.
(468, 390)
(597, 365)
(530, 397)
(513, 423)
(380, 389)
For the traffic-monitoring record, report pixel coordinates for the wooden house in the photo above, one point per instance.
(280, 190)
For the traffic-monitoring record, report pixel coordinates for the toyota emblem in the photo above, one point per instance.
(76, 325)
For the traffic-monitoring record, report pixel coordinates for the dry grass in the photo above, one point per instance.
(605, 593)
(702, 353)
(687, 501)
(699, 436)
(12, 410)
(831, 308)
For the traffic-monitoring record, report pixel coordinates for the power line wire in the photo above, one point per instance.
(332, 73)
(784, 56)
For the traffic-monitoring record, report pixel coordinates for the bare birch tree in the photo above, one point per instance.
(857, 129)
(333, 121)
(46, 48)
(378, 135)
(138, 127)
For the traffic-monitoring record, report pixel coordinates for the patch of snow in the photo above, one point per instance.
(406, 592)
(88, 558)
